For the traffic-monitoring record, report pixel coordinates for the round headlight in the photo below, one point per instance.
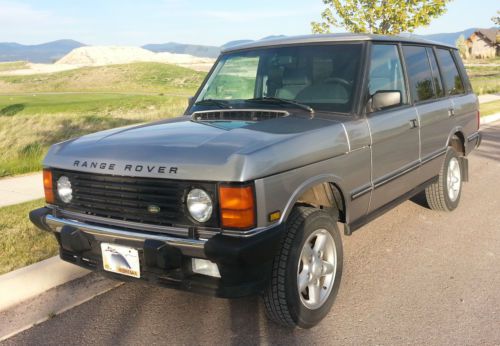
(199, 204)
(64, 189)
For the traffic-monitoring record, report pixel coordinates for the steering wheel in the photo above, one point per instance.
(337, 80)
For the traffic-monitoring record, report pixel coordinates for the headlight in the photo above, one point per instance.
(64, 190)
(199, 204)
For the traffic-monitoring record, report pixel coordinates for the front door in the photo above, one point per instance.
(395, 131)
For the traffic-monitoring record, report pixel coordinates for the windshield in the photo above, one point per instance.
(320, 76)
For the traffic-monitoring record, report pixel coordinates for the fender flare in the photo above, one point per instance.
(456, 129)
(309, 183)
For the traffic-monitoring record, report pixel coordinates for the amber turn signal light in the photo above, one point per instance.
(237, 206)
(47, 186)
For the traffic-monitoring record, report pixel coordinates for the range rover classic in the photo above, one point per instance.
(286, 141)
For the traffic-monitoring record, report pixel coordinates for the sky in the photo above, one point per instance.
(138, 22)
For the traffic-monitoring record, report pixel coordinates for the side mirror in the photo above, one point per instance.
(190, 100)
(385, 99)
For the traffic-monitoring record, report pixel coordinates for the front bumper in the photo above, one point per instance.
(244, 263)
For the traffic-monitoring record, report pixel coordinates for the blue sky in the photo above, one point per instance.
(127, 22)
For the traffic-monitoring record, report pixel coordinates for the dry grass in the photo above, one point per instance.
(21, 243)
(14, 65)
(130, 78)
(30, 124)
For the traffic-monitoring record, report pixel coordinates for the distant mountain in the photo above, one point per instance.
(449, 38)
(181, 48)
(41, 53)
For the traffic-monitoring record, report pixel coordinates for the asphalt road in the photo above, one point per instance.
(413, 276)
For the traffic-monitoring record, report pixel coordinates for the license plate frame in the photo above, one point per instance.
(120, 259)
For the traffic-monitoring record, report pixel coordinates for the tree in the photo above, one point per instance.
(496, 19)
(462, 46)
(378, 16)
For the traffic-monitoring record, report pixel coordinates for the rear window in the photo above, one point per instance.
(419, 73)
(452, 81)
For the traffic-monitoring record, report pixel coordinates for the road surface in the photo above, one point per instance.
(413, 276)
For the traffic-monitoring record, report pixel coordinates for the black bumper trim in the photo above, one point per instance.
(244, 263)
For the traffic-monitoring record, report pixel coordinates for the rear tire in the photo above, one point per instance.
(444, 194)
(311, 251)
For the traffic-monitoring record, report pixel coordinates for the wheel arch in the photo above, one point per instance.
(323, 192)
(456, 139)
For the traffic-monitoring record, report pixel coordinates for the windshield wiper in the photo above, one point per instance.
(282, 101)
(218, 103)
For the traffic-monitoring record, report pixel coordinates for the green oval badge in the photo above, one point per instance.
(153, 209)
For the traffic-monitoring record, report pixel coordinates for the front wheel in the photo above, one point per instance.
(444, 194)
(306, 271)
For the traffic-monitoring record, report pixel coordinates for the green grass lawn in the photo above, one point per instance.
(489, 108)
(21, 243)
(29, 124)
(484, 79)
(39, 110)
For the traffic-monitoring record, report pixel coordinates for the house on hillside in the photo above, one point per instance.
(484, 43)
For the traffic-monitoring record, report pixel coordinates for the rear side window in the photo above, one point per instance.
(419, 73)
(438, 85)
(386, 73)
(452, 81)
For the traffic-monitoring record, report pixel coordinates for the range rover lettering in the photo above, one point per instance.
(284, 141)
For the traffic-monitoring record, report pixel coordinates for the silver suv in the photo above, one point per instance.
(284, 140)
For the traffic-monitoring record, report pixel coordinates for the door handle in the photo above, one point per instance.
(451, 112)
(413, 123)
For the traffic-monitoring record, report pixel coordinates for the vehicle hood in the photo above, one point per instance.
(219, 151)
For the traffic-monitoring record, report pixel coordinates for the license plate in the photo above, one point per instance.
(121, 259)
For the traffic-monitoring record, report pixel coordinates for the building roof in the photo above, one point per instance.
(322, 38)
(489, 34)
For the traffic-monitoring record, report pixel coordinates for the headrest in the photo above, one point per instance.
(295, 77)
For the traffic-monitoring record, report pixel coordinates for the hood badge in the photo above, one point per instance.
(153, 209)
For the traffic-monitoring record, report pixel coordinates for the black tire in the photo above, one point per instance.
(282, 298)
(437, 194)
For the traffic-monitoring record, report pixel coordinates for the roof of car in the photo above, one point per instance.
(322, 38)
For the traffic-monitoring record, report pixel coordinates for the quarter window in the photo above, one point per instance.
(419, 73)
(386, 73)
(452, 81)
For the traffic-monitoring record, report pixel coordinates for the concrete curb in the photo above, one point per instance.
(490, 118)
(33, 280)
(52, 303)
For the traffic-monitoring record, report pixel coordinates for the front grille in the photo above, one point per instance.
(128, 198)
(240, 114)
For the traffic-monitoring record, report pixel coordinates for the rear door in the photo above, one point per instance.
(432, 106)
(395, 135)
(463, 101)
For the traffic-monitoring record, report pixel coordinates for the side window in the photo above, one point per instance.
(419, 73)
(386, 73)
(438, 85)
(452, 81)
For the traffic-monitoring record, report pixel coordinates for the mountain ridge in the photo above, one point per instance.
(51, 51)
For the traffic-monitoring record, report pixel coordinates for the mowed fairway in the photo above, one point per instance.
(55, 107)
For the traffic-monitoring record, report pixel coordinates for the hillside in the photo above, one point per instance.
(149, 77)
(39, 53)
(449, 38)
(181, 48)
